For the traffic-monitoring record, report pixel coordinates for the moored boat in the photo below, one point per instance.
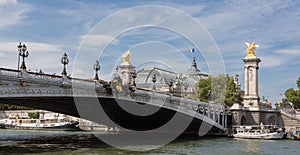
(296, 133)
(50, 123)
(260, 132)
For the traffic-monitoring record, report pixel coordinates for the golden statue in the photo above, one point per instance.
(251, 49)
(126, 58)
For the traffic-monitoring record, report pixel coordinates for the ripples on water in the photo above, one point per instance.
(84, 143)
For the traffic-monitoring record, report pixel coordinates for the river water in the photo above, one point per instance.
(84, 143)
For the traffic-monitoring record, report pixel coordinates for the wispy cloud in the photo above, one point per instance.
(294, 52)
(11, 12)
(41, 56)
(53, 29)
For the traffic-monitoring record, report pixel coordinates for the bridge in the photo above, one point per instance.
(67, 95)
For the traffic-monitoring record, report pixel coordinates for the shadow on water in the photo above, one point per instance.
(85, 143)
(52, 144)
(74, 143)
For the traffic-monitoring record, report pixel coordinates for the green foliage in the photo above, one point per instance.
(298, 83)
(293, 95)
(34, 115)
(205, 87)
(4, 107)
(219, 89)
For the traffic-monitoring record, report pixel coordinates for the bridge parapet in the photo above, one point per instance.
(215, 114)
(45, 79)
(14, 83)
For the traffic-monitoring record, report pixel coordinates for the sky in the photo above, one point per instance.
(80, 28)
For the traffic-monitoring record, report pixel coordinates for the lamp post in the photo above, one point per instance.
(185, 89)
(64, 61)
(170, 84)
(209, 95)
(19, 53)
(219, 94)
(96, 68)
(24, 54)
(154, 81)
(276, 106)
(133, 75)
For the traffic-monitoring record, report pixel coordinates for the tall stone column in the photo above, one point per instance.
(251, 98)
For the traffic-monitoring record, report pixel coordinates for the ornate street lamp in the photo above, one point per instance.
(64, 61)
(154, 81)
(24, 54)
(96, 68)
(170, 84)
(186, 88)
(209, 95)
(133, 75)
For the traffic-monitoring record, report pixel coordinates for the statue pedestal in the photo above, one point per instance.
(251, 98)
(126, 70)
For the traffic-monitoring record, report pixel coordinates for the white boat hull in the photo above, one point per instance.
(273, 135)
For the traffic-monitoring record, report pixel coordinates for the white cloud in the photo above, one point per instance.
(6, 2)
(272, 61)
(273, 25)
(11, 12)
(288, 51)
(41, 56)
(94, 40)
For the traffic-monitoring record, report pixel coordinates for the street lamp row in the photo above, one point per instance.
(23, 52)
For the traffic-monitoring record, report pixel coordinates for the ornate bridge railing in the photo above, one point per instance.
(214, 114)
(43, 79)
(14, 83)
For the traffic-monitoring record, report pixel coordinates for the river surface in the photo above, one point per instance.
(84, 143)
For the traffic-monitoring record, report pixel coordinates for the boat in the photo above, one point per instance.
(48, 123)
(260, 132)
(296, 133)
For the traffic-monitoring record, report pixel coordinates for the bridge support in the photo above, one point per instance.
(251, 98)
(126, 71)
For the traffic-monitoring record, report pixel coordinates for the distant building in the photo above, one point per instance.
(195, 73)
(182, 83)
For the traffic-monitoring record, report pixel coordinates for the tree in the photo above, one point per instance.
(219, 89)
(293, 96)
(204, 88)
(298, 83)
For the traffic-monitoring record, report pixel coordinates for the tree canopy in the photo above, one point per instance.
(219, 89)
(293, 95)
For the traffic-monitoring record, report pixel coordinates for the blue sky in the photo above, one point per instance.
(50, 28)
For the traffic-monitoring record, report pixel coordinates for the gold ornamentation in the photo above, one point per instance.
(251, 49)
(126, 58)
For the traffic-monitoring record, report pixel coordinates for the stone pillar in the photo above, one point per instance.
(225, 117)
(251, 98)
(214, 115)
(126, 71)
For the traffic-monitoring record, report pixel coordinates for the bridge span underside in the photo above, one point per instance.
(90, 110)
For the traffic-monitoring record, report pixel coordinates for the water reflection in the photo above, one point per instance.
(81, 143)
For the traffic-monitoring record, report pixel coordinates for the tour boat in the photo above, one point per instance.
(296, 134)
(49, 123)
(260, 132)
